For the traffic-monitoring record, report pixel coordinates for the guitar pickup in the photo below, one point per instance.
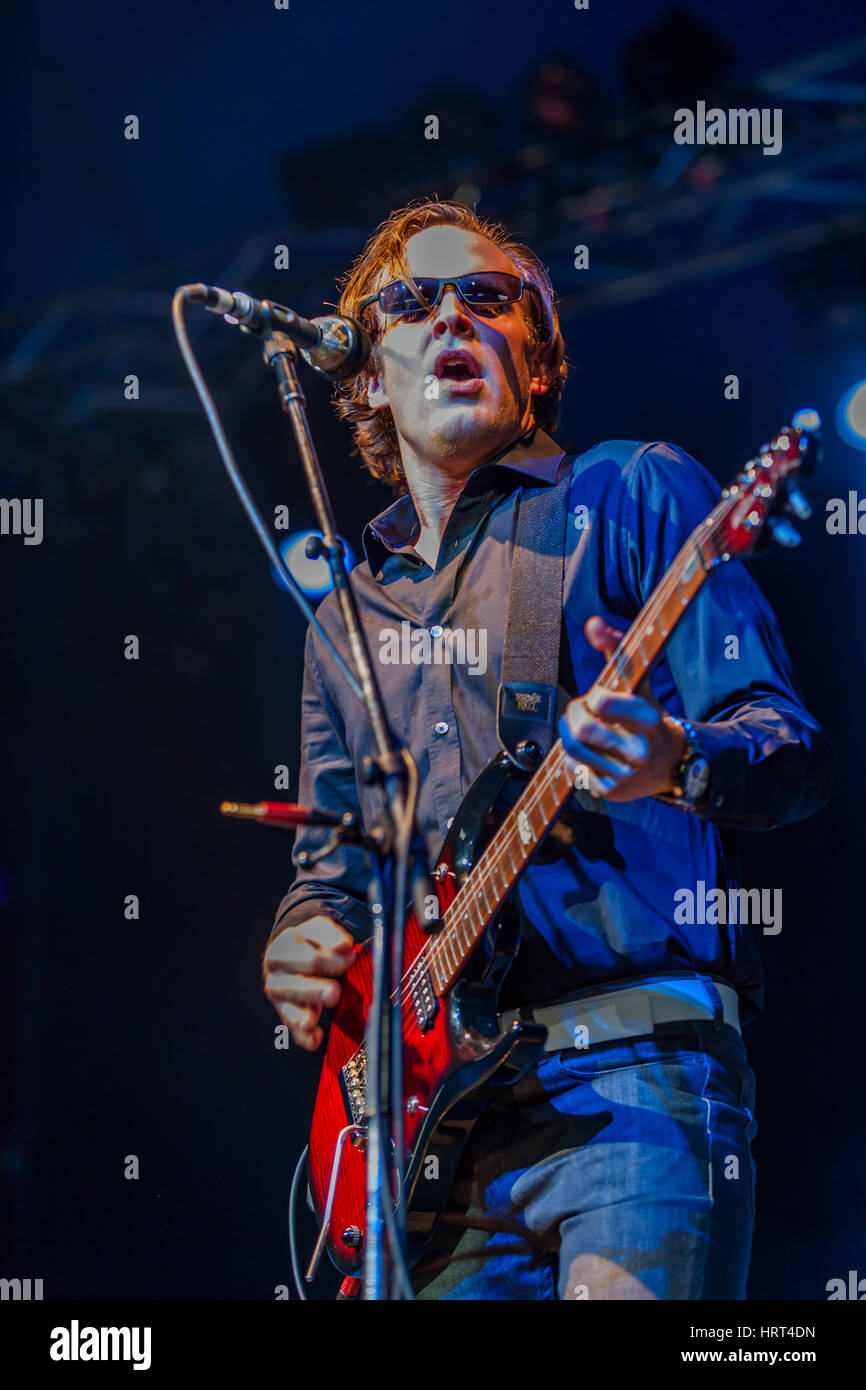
(424, 1000)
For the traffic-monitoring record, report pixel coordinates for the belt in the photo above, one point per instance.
(629, 1011)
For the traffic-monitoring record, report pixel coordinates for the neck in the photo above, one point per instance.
(435, 485)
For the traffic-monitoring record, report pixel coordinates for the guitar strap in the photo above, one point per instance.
(531, 697)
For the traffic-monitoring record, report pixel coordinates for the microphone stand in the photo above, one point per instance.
(390, 767)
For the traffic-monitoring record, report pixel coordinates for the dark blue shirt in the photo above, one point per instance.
(611, 906)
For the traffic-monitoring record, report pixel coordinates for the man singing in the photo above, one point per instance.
(622, 1170)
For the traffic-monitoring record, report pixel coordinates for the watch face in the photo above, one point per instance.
(696, 779)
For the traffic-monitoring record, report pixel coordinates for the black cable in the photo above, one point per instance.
(293, 1238)
(181, 296)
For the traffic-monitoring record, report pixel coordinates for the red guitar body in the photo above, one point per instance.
(443, 1066)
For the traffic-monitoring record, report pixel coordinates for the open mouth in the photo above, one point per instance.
(456, 371)
(458, 367)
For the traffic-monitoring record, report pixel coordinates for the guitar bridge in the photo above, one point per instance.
(353, 1084)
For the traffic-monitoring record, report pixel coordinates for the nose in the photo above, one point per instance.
(451, 316)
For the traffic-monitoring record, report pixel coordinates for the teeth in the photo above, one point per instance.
(456, 370)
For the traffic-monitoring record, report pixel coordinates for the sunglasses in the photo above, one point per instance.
(482, 289)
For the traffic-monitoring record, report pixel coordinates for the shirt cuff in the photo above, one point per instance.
(353, 916)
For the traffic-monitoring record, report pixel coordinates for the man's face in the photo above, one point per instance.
(459, 381)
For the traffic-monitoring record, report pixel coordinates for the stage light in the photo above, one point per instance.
(806, 419)
(312, 574)
(851, 416)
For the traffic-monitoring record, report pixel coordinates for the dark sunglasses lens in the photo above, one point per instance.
(491, 287)
(399, 299)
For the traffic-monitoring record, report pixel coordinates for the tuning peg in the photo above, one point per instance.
(784, 532)
(796, 502)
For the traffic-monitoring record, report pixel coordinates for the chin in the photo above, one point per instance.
(463, 420)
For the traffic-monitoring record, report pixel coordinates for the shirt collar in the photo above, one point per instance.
(536, 456)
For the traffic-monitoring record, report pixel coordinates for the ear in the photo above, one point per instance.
(539, 370)
(377, 396)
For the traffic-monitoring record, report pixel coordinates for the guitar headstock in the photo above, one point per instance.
(763, 492)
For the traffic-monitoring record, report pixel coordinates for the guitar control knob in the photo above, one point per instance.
(527, 748)
(352, 1237)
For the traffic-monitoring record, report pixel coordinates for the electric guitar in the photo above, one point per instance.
(452, 1045)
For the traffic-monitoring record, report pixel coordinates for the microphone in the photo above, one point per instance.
(334, 345)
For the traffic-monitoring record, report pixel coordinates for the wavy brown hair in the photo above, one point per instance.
(373, 430)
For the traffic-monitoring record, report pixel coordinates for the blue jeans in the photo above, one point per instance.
(622, 1175)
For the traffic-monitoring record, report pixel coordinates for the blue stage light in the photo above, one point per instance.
(807, 419)
(851, 416)
(313, 576)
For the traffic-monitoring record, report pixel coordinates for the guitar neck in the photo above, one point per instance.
(511, 848)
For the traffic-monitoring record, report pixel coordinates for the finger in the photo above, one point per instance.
(303, 1024)
(632, 711)
(303, 989)
(601, 635)
(328, 935)
(597, 762)
(602, 745)
(302, 957)
(600, 785)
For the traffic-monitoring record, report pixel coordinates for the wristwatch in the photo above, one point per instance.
(691, 776)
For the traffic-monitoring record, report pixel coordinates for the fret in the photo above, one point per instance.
(622, 664)
(444, 973)
(436, 978)
(487, 877)
(465, 946)
(495, 868)
(503, 873)
(489, 863)
(690, 563)
(445, 948)
(468, 909)
(481, 886)
(454, 947)
(458, 947)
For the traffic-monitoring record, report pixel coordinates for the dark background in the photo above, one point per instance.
(260, 127)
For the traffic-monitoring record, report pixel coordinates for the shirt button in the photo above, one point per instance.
(441, 727)
(436, 631)
(719, 800)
